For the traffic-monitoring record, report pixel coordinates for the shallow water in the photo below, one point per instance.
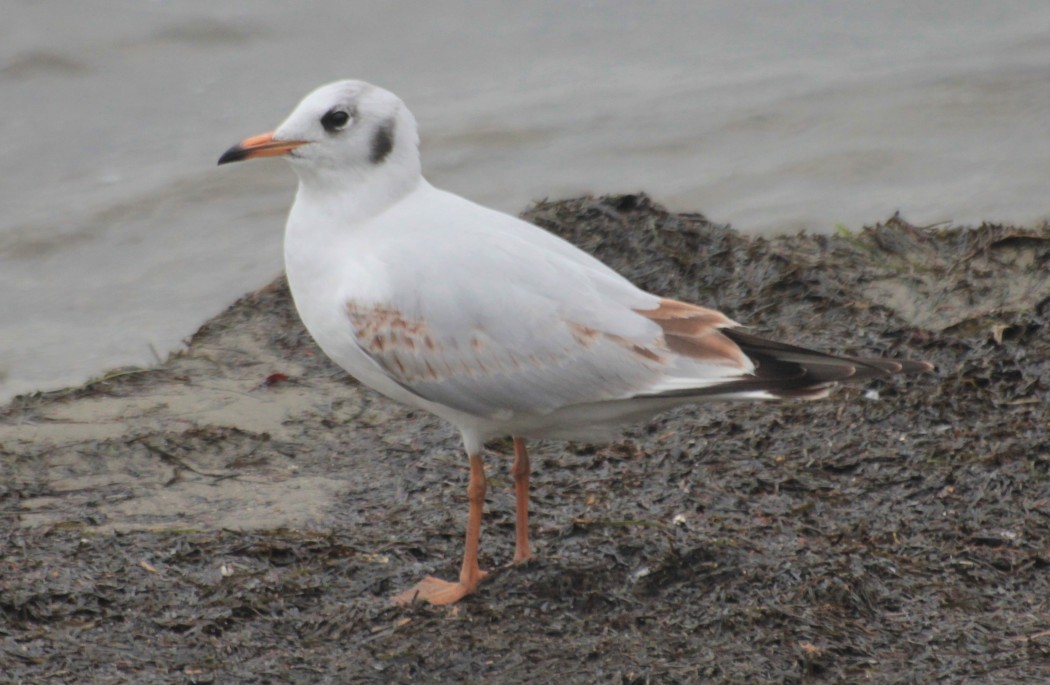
(119, 235)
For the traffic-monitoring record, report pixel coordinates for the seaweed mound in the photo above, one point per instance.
(241, 512)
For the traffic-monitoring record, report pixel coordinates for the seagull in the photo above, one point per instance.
(488, 321)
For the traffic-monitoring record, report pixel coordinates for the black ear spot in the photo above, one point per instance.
(382, 142)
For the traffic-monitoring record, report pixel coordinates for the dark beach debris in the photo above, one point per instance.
(898, 532)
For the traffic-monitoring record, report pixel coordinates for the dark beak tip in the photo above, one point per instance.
(234, 154)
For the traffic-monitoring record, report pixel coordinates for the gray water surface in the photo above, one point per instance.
(119, 235)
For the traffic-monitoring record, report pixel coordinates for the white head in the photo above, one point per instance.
(340, 135)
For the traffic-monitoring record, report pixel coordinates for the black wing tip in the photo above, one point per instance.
(785, 371)
(917, 367)
(892, 367)
(772, 350)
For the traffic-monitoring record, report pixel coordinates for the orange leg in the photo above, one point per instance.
(438, 591)
(520, 470)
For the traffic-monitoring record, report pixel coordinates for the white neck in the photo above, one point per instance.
(356, 196)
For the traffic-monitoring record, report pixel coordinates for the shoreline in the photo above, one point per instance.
(245, 498)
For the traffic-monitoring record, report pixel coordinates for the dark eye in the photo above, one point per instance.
(334, 119)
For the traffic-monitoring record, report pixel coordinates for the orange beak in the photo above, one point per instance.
(259, 146)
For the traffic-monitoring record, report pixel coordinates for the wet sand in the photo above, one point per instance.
(241, 512)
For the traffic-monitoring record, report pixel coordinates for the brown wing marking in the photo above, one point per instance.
(695, 332)
(780, 369)
(407, 349)
(586, 336)
(387, 335)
